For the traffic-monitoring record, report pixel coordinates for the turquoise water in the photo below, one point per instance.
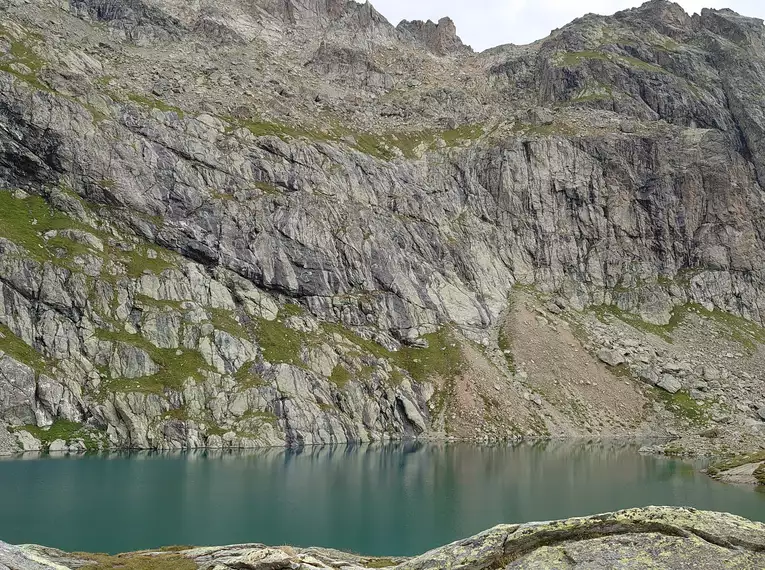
(397, 499)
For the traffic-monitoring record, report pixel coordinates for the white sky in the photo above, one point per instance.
(488, 23)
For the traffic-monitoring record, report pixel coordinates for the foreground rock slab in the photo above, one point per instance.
(653, 537)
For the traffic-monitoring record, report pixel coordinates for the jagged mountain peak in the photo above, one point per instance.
(669, 18)
(440, 38)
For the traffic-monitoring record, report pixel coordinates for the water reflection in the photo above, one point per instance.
(400, 498)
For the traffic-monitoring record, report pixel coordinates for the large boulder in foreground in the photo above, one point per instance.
(654, 537)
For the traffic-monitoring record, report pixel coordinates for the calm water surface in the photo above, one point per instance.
(396, 499)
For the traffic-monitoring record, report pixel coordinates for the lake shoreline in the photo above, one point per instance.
(400, 498)
(671, 535)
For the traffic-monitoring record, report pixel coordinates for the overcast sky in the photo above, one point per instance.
(488, 23)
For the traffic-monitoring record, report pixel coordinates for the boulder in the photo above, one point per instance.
(711, 373)
(28, 442)
(58, 445)
(648, 375)
(670, 384)
(610, 357)
(697, 395)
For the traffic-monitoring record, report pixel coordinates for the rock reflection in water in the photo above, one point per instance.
(399, 498)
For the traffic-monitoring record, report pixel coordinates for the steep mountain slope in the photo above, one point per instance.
(291, 221)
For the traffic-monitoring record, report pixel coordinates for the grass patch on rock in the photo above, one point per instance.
(736, 461)
(65, 430)
(442, 357)
(685, 407)
(17, 349)
(224, 320)
(604, 311)
(21, 57)
(138, 262)
(505, 345)
(24, 220)
(175, 368)
(734, 328)
(247, 379)
(137, 561)
(340, 376)
(279, 343)
(380, 563)
(574, 58)
(154, 103)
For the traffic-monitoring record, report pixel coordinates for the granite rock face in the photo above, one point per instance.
(654, 537)
(285, 221)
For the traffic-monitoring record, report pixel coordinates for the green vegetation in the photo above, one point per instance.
(379, 563)
(137, 262)
(379, 145)
(733, 328)
(640, 64)
(604, 311)
(262, 416)
(65, 430)
(736, 461)
(175, 368)
(224, 320)
(443, 357)
(674, 450)
(291, 310)
(366, 345)
(574, 58)
(21, 351)
(181, 414)
(268, 188)
(246, 378)
(279, 342)
(137, 561)
(22, 54)
(340, 376)
(463, 133)
(683, 406)
(25, 220)
(505, 345)
(140, 299)
(154, 103)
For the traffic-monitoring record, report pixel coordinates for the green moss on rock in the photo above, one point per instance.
(67, 431)
(280, 344)
(21, 351)
(340, 376)
(175, 368)
(137, 561)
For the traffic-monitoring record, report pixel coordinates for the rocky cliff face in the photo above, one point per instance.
(290, 221)
(654, 537)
